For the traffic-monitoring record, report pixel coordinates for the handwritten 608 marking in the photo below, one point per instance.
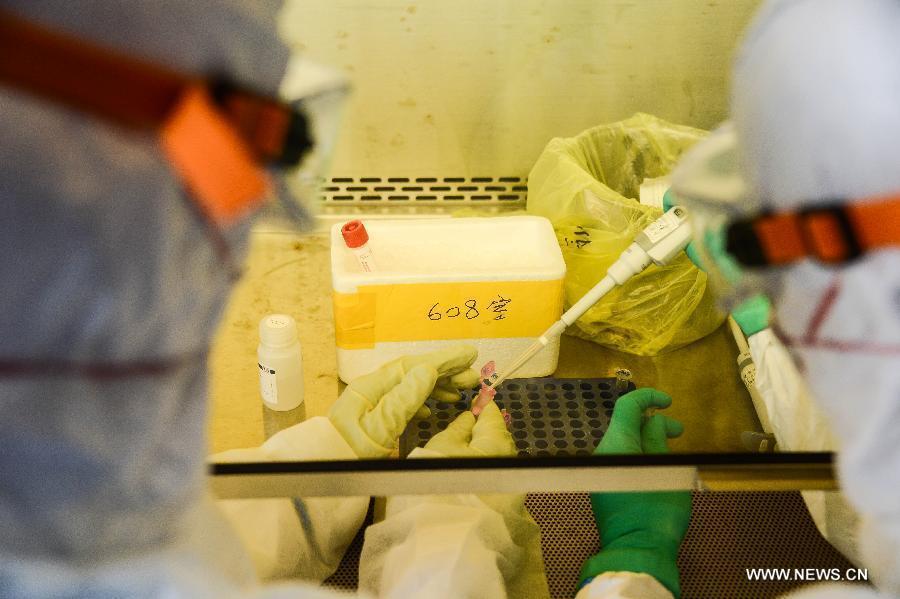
(496, 309)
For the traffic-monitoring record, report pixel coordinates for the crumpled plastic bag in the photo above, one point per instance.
(588, 187)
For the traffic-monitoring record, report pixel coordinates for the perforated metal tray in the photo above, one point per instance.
(549, 416)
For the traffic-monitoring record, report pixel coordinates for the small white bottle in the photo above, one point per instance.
(280, 364)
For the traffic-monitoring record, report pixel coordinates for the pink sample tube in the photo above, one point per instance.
(485, 394)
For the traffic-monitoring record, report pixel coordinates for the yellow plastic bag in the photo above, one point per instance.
(587, 186)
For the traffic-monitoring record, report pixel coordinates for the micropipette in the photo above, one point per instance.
(658, 243)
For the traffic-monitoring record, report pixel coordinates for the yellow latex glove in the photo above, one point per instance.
(468, 437)
(374, 409)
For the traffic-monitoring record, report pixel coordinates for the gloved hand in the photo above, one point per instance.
(640, 532)
(752, 315)
(468, 437)
(374, 409)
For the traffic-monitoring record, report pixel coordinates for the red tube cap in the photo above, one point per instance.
(355, 234)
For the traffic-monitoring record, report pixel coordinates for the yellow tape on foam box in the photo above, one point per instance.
(451, 310)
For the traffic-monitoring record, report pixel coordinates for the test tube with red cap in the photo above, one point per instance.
(357, 239)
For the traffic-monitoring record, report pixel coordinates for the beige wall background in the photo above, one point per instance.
(477, 87)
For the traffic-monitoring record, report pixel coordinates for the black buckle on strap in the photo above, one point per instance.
(743, 244)
(296, 135)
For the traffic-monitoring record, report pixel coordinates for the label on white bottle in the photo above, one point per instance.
(267, 385)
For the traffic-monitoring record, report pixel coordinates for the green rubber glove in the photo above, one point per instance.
(752, 315)
(468, 437)
(714, 242)
(374, 409)
(640, 532)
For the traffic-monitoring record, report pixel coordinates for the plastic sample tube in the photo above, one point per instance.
(486, 393)
(357, 239)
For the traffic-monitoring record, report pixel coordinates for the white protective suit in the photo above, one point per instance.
(814, 106)
(815, 93)
(448, 546)
(113, 285)
(799, 424)
(815, 114)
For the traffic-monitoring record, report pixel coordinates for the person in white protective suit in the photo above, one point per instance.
(113, 281)
(799, 198)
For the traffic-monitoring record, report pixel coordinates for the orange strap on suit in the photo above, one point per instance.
(832, 234)
(217, 136)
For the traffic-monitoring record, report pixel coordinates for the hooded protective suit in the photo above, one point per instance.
(815, 120)
(815, 91)
(113, 283)
(814, 107)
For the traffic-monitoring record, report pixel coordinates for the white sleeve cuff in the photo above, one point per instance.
(624, 585)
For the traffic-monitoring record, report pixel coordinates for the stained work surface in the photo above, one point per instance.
(708, 396)
(290, 273)
(729, 533)
(284, 273)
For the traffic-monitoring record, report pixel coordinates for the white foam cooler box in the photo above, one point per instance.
(495, 283)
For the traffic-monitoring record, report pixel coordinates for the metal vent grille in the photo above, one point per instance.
(424, 190)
